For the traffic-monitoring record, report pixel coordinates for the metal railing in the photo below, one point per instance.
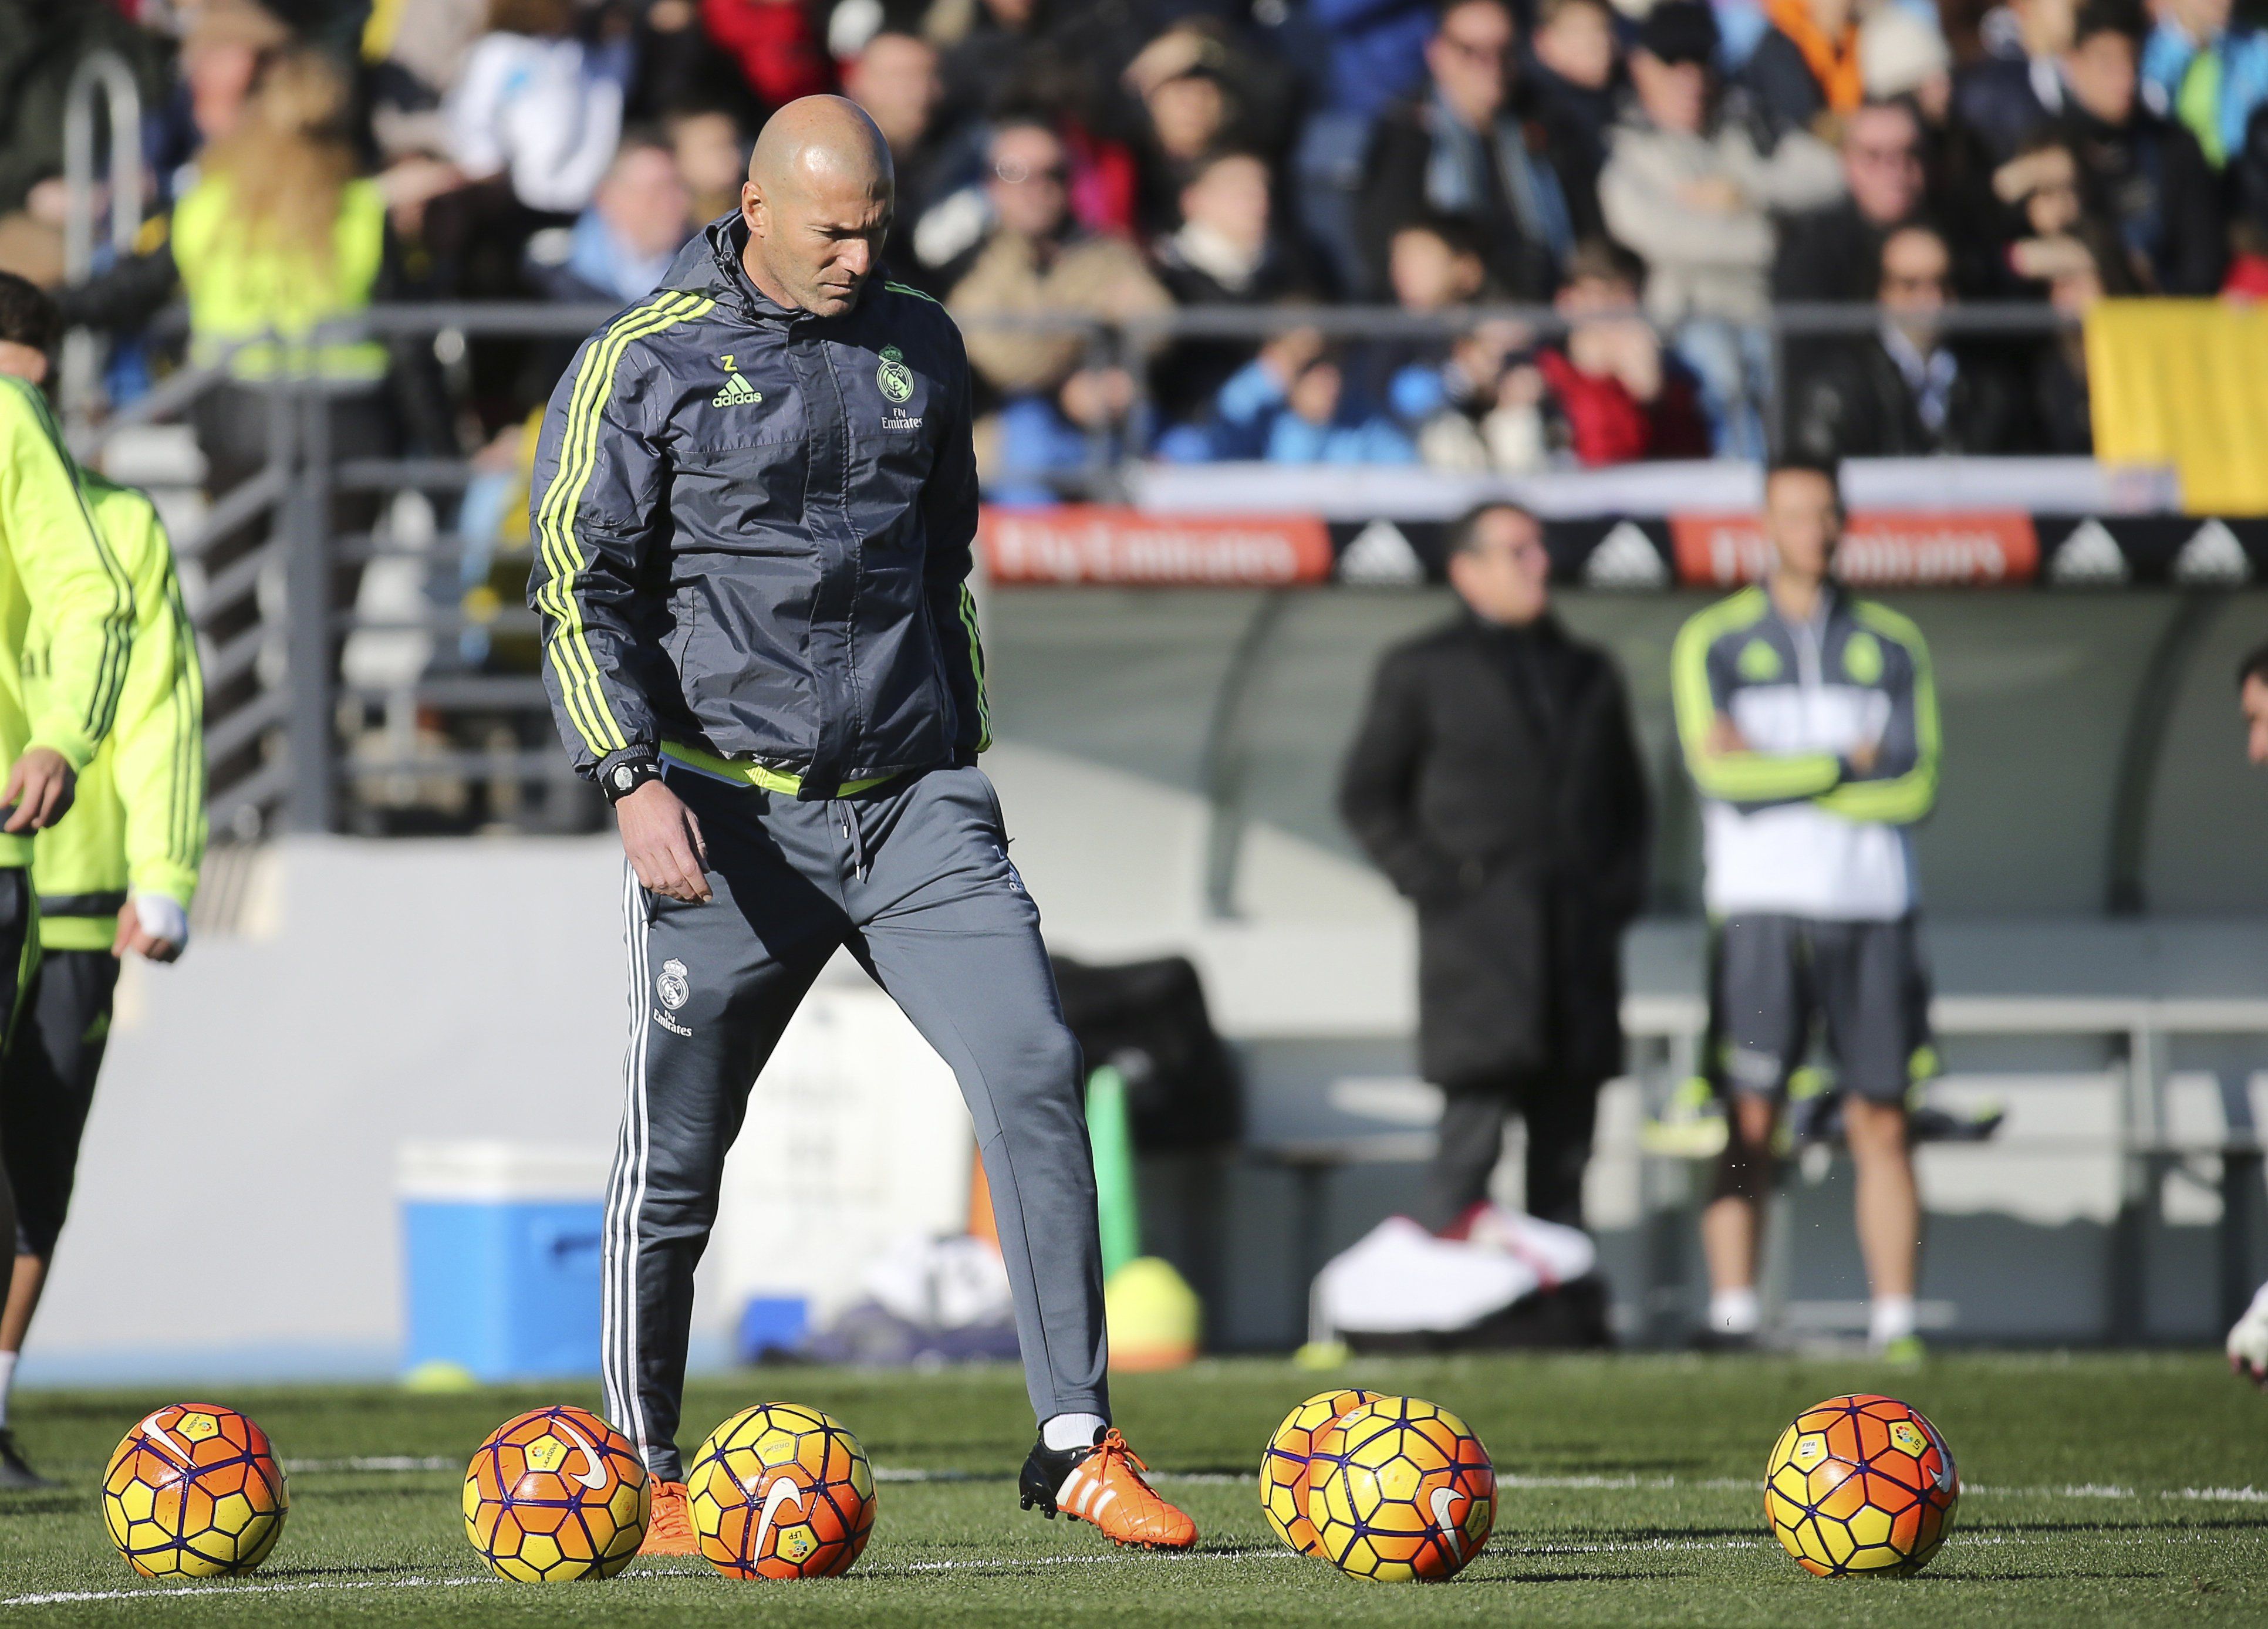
(2137, 1035)
(108, 75)
(2134, 1043)
(293, 743)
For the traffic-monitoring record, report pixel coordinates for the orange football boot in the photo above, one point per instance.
(1103, 1484)
(669, 1529)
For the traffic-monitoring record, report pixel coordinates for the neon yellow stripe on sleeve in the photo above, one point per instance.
(118, 623)
(571, 650)
(1902, 799)
(1733, 777)
(558, 596)
(977, 665)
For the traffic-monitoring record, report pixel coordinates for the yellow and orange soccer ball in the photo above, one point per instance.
(1283, 1463)
(557, 1494)
(194, 1490)
(781, 1491)
(1861, 1486)
(1397, 1489)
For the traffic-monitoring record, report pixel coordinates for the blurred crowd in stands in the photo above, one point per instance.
(1648, 182)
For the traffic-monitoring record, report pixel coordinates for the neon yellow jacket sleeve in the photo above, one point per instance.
(72, 582)
(158, 749)
(1735, 777)
(1901, 786)
(139, 819)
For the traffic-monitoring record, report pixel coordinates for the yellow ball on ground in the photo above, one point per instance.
(1861, 1487)
(555, 1495)
(194, 1490)
(1283, 1463)
(1400, 1490)
(781, 1491)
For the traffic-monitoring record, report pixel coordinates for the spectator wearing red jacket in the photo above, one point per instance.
(776, 45)
(1619, 396)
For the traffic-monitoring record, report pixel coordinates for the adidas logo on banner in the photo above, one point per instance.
(738, 392)
(1380, 556)
(1626, 558)
(2090, 557)
(2212, 558)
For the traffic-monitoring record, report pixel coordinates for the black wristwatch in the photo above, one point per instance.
(627, 776)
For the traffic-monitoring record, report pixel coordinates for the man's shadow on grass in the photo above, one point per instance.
(1619, 1537)
(1481, 1574)
(57, 1501)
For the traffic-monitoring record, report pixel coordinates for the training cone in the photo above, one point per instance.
(1152, 1313)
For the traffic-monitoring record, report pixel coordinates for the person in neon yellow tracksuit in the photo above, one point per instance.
(138, 822)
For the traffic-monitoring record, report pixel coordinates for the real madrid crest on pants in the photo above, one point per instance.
(672, 989)
(895, 378)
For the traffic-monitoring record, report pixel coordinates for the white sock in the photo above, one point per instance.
(1736, 1311)
(1893, 1320)
(1072, 1431)
(7, 1380)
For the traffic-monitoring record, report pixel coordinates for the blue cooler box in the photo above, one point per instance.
(500, 1244)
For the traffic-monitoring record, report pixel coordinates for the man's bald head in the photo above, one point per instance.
(820, 135)
(817, 202)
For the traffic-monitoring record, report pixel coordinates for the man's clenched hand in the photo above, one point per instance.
(662, 840)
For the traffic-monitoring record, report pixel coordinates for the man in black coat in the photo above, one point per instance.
(1906, 391)
(1496, 781)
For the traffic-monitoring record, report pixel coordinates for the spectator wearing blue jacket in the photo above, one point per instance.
(2207, 72)
(618, 250)
(1377, 50)
(1291, 405)
(1376, 55)
(621, 247)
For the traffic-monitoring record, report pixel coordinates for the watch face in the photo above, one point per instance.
(625, 777)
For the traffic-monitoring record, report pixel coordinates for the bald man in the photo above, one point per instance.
(753, 501)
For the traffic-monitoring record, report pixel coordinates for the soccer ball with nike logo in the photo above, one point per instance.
(1860, 1484)
(1399, 1491)
(781, 1491)
(194, 1492)
(557, 1494)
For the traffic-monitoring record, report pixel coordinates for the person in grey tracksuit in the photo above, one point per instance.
(752, 526)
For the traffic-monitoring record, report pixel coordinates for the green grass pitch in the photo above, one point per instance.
(2101, 1490)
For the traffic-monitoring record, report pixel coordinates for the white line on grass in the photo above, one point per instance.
(402, 1463)
(1010, 1564)
(61, 1597)
(1726, 1485)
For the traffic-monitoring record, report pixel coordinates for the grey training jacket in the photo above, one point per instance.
(751, 529)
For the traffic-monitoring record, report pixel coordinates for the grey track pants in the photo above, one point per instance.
(914, 877)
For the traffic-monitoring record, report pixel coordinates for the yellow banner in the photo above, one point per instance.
(2184, 383)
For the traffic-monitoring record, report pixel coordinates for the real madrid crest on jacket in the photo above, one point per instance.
(893, 376)
(808, 609)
